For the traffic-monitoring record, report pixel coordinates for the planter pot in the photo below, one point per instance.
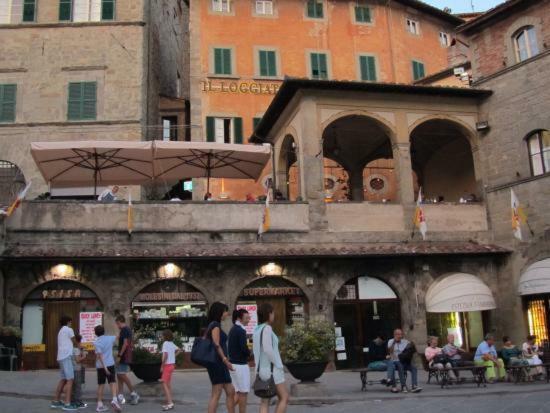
(307, 372)
(149, 372)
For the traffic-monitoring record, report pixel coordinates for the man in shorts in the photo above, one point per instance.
(65, 342)
(124, 359)
(105, 364)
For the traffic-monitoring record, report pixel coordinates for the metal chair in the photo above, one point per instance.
(8, 353)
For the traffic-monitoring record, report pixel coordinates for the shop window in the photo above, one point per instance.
(267, 63)
(224, 130)
(222, 61)
(8, 94)
(221, 6)
(82, 101)
(539, 152)
(86, 10)
(319, 67)
(264, 7)
(17, 11)
(367, 67)
(525, 43)
(170, 128)
(536, 318)
(362, 13)
(315, 9)
(444, 39)
(418, 70)
(413, 26)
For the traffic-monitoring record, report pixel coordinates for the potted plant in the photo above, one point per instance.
(146, 364)
(306, 349)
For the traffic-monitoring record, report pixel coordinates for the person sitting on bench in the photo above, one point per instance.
(400, 353)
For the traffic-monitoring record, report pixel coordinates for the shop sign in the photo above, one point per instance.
(176, 296)
(88, 346)
(253, 312)
(88, 321)
(253, 88)
(57, 294)
(272, 292)
(34, 348)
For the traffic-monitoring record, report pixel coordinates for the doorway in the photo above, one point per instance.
(54, 310)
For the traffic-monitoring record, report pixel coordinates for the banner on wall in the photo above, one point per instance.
(88, 321)
(253, 312)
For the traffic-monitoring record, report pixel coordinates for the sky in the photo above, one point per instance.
(464, 6)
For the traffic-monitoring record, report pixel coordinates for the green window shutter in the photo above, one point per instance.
(315, 9)
(362, 14)
(418, 70)
(75, 97)
(222, 61)
(29, 9)
(268, 64)
(255, 122)
(421, 70)
(263, 63)
(210, 129)
(368, 68)
(107, 9)
(323, 72)
(311, 8)
(218, 61)
(319, 9)
(65, 10)
(8, 94)
(238, 130)
(82, 104)
(227, 62)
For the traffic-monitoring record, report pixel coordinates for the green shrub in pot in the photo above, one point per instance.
(311, 341)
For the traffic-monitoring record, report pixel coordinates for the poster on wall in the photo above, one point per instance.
(340, 344)
(253, 312)
(88, 321)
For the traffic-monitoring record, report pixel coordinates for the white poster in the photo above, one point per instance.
(341, 356)
(340, 344)
(88, 321)
(338, 331)
(253, 312)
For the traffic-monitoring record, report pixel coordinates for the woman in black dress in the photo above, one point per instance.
(219, 373)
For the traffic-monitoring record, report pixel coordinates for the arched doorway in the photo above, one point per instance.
(364, 307)
(288, 300)
(12, 182)
(362, 146)
(289, 175)
(169, 304)
(534, 289)
(442, 161)
(42, 309)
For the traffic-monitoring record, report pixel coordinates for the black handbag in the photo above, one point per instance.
(264, 389)
(204, 352)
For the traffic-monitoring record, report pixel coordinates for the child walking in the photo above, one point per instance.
(169, 351)
(105, 364)
(78, 357)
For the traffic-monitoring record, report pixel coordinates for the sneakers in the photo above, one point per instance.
(116, 407)
(56, 404)
(101, 408)
(167, 407)
(134, 398)
(404, 389)
(71, 407)
(416, 389)
(81, 405)
(121, 399)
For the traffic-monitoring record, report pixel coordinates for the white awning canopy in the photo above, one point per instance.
(535, 279)
(459, 292)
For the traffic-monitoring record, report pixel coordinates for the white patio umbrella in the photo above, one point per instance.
(82, 163)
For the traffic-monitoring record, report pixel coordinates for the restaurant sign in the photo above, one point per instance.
(254, 88)
(167, 296)
(57, 294)
(272, 292)
(34, 348)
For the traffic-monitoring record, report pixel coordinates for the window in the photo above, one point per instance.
(319, 68)
(367, 67)
(82, 101)
(539, 152)
(267, 63)
(264, 7)
(255, 122)
(169, 128)
(418, 70)
(8, 94)
(362, 13)
(86, 10)
(315, 9)
(221, 6)
(222, 61)
(224, 130)
(17, 11)
(526, 43)
(413, 26)
(444, 39)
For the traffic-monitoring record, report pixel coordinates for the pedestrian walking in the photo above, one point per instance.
(267, 356)
(169, 352)
(79, 355)
(219, 373)
(239, 353)
(105, 365)
(65, 344)
(124, 358)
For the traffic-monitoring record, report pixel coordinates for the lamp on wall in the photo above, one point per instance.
(270, 269)
(170, 270)
(62, 271)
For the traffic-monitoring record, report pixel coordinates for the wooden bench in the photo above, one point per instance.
(519, 373)
(363, 376)
(442, 376)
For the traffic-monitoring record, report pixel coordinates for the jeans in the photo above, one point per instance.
(401, 368)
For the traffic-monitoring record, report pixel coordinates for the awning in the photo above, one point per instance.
(535, 279)
(459, 292)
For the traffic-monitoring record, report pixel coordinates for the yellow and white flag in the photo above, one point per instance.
(130, 214)
(266, 221)
(518, 216)
(419, 217)
(18, 200)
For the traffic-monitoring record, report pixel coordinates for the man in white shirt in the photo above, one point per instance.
(65, 344)
(109, 195)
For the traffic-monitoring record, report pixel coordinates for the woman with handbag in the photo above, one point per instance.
(218, 372)
(436, 359)
(270, 375)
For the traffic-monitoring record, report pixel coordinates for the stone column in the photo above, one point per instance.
(356, 183)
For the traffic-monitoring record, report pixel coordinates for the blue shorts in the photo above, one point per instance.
(66, 368)
(122, 368)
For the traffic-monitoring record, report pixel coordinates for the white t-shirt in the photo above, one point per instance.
(64, 343)
(170, 348)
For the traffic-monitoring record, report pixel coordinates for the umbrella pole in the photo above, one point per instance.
(95, 175)
(208, 173)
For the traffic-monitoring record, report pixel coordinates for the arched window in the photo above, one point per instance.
(12, 182)
(525, 42)
(539, 152)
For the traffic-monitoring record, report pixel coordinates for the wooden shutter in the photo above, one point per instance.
(218, 65)
(418, 70)
(368, 68)
(107, 9)
(238, 130)
(323, 71)
(89, 100)
(65, 10)
(318, 9)
(227, 62)
(210, 129)
(271, 63)
(75, 97)
(8, 95)
(311, 8)
(29, 8)
(421, 70)
(314, 65)
(255, 122)
(263, 63)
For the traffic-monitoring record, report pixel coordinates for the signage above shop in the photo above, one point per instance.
(59, 294)
(34, 348)
(272, 292)
(170, 296)
(254, 88)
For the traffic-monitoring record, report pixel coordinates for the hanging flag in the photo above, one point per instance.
(266, 222)
(419, 217)
(518, 216)
(18, 200)
(130, 214)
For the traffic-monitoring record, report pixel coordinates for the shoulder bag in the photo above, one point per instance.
(264, 389)
(204, 352)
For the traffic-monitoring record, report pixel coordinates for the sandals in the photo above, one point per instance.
(167, 407)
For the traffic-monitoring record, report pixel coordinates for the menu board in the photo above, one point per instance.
(253, 312)
(88, 321)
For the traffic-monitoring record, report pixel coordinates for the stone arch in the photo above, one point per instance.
(467, 129)
(393, 284)
(390, 128)
(288, 167)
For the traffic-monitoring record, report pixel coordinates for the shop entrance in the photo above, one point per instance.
(364, 308)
